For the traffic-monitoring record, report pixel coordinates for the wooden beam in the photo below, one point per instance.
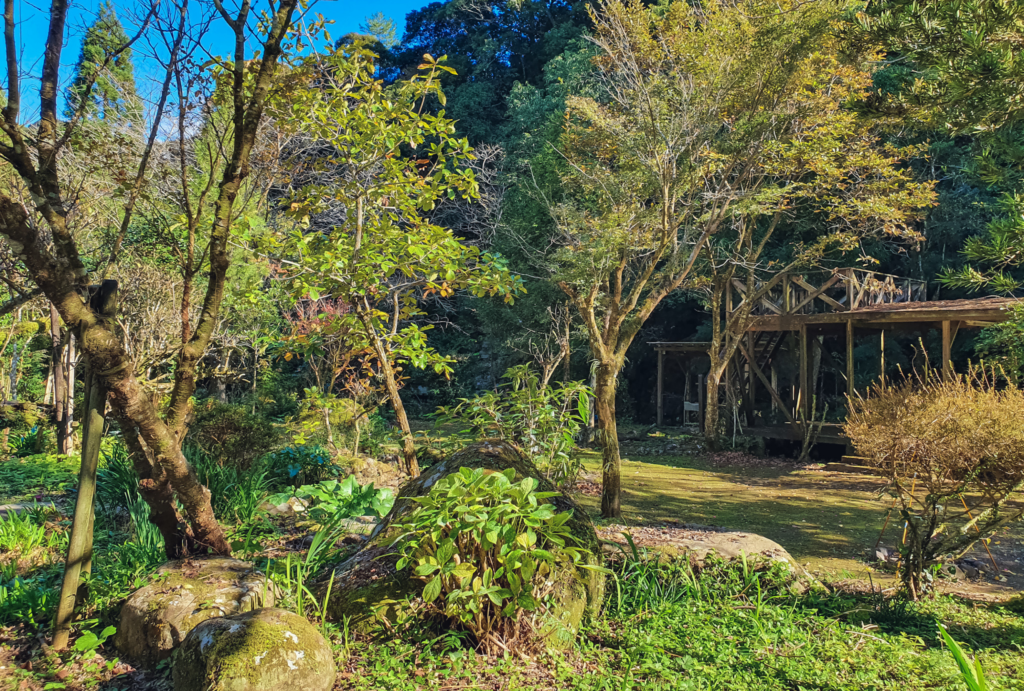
(817, 292)
(767, 384)
(947, 346)
(850, 388)
(805, 365)
(878, 318)
(752, 384)
(661, 374)
(702, 382)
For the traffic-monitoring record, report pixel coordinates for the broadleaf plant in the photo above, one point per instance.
(486, 548)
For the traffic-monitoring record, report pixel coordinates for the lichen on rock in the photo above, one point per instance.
(368, 590)
(263, 650)
(182, 594)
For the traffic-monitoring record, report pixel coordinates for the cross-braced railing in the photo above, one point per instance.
(841, 290)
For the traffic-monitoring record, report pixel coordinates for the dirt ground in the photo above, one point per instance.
(828, 521)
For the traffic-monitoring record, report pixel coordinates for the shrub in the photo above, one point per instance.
(485, 548)
(333, 500)
(300, 464)
(543, 421)
(232, 434)
(953, 452)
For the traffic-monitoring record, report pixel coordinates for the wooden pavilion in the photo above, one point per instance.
(795, 316)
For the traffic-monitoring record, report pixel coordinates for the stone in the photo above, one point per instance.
(371, 471)
(156, 618)
(263, 650)
(698, 541)
(367, 587)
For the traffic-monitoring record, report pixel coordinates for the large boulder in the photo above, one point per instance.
(367, 586)
(181, 594)
(263, 650)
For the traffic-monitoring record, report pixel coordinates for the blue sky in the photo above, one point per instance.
(32, 21)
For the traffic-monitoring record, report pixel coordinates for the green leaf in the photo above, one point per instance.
(432, 590)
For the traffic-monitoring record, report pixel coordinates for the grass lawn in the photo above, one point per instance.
(825, 520)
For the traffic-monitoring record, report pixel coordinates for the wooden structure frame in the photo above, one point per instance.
(806, 307)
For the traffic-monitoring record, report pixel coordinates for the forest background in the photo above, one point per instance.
(507, 84)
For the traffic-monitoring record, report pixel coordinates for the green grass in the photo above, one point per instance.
(663, 627)
(722, 629)
(23, 478)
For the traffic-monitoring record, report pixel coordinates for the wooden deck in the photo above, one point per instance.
(969, 313)
(801, 310)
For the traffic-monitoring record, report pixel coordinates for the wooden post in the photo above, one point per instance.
(751, 379)
(805, 365)
(661, 374)
(947, 347)
(849, 289)
(881, 350)
(850, 388)
(775, 386)
(787, 297)
(702, 382)
(79, 559)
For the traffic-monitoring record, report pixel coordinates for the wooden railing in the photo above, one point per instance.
(838, 291)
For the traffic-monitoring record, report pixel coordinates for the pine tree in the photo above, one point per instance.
(113, 93)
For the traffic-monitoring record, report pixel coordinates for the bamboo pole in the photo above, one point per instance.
(79, 558)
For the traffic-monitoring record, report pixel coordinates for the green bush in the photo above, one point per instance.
(485, 548)
(332, 500)
(543, 421)
(300, 464)
(232, 434)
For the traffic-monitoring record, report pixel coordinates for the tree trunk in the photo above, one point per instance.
(59, 381)
(711, 414)
(611, 464)
(155, 488)
(412, 466)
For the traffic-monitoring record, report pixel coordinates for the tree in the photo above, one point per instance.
(693, 144)
(953, 441)
(815, 184)
(370, 167)
(965, 73)
(382, 28)
(105, 75)
(58, 267)
(492, 47)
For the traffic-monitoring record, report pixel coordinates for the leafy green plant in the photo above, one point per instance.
(485, 548)
(300, 464)
(543, 421)
(973, 674)
(90, 640)
(117, 484)
(333, 500)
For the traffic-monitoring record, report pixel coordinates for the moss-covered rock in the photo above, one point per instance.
(263, 650)
(368, 587)
(157, 617)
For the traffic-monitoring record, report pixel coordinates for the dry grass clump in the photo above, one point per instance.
(953, 452)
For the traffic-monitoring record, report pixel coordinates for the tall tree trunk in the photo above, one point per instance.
(611, 463)
(412, 466)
